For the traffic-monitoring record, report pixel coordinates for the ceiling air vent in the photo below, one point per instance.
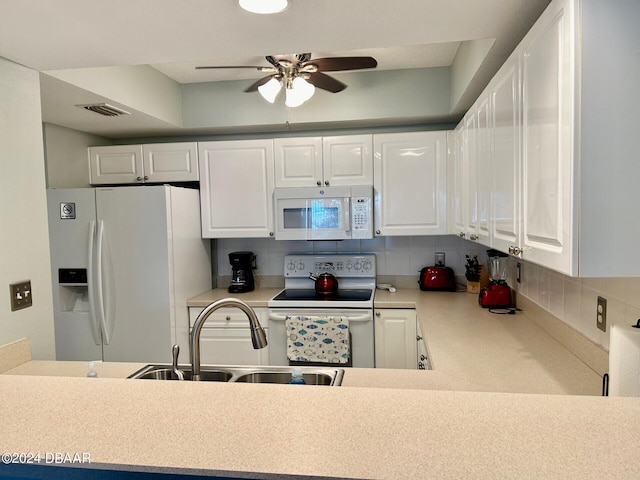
(104, 109)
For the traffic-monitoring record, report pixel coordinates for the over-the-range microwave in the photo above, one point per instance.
(323, 213)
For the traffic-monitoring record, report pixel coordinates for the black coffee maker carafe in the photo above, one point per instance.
(241, 272)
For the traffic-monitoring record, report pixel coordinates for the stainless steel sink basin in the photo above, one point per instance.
(155, 372)
(244, 374)
(284, 377)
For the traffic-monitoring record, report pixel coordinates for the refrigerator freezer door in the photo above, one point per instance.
(135, 272)
(70, 213)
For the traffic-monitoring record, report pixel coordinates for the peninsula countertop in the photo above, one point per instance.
(457, 421)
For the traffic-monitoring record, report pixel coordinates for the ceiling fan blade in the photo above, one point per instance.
(335, 64)
(254, 86)
(260, 69)
(325, 82)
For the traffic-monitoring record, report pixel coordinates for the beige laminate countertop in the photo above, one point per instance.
(457, 421)
(470, 346)
(282, 431)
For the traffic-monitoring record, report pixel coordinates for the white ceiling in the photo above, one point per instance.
(176, 35)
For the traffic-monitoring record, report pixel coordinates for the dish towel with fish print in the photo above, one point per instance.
(317, 339)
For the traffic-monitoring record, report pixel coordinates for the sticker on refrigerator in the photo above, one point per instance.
(68, 211)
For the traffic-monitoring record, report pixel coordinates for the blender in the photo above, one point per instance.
(497, 294)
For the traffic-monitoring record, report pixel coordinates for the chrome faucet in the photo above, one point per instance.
(258, 337)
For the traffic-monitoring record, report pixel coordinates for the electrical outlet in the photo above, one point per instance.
(21, 295)
(601, 314)
(440, 259)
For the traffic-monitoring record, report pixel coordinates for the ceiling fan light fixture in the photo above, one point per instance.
(264, 6)
(270, 90)
(299, 92)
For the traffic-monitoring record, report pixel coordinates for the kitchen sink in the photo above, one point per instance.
(244, 374)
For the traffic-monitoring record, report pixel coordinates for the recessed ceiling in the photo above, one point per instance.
(174, 36)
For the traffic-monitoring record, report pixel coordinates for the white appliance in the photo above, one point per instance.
(356, 276)
(124, 261)
(323, 213)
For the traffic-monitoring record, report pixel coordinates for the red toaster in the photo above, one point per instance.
(437, 279)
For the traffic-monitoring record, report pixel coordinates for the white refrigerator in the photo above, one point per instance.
(124, 261)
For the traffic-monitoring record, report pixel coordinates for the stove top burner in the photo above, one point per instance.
(306, 294)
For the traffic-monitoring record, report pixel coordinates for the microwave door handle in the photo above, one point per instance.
(347, 214)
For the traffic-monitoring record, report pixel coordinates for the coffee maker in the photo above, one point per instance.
(497, 294)
(242, 264)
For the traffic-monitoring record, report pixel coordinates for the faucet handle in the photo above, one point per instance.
(175, 351)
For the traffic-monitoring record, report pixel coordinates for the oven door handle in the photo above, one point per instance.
(358, 318)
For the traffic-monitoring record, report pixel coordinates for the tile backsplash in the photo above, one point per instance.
(574, 300)
(571, 300)
(395, 256)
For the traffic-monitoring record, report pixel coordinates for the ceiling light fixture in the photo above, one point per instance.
(297, 89)
(264, 6)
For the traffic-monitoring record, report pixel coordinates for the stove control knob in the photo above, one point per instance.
(300, 265)
(291, 266)
(367, 265)
(358, 266)
(349, 265)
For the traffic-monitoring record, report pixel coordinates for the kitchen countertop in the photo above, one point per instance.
(471, 346)
(284, 431)
(456, 421)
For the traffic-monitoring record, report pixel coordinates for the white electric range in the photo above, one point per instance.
(356, 275)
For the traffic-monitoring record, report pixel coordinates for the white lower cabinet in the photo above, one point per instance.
(395, 338)
(226, 338)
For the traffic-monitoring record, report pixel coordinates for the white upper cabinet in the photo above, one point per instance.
(548, 98)
(149, 163)
(505, 214)
(470, 165)
(170, 162)
(348, 160)
(483, 169)
(116, 164)
(298, 162)
(410, 175)
(236, 188)
(456, 178)
(323, 161)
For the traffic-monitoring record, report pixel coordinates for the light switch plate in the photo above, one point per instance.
(21, 296)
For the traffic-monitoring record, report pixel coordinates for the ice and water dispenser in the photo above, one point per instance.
(74, 290)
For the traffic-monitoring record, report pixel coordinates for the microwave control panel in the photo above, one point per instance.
(361, 224)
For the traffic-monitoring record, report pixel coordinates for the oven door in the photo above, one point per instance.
(360, 329)
(312, 214)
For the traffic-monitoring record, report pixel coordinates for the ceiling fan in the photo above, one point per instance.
(300, 75)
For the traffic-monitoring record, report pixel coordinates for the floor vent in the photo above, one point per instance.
(104, 109)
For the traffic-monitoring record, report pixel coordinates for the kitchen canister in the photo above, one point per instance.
(624, 361)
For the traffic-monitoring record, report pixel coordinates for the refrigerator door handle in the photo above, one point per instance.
(95, 329)
(100, 284)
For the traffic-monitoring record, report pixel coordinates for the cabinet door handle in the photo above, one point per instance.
(271, 234)
(377, 232)
(515, 250)
(139, 179)
(377, 314)
(146, 177)
(462, 234)
(473, 237)
(318, 183)
(418, 338)
(326, 182)
(228, 317)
